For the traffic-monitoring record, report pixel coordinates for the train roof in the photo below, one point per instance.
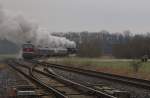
(53, 48)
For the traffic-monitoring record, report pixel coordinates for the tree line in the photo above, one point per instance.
(135, 47)
(119, 45)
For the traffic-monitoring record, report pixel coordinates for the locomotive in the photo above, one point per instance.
(29, 51)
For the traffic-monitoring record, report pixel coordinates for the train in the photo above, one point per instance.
(30, 51)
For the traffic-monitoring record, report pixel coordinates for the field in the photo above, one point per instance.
(7, 56)
(116, 66)
(3, 57)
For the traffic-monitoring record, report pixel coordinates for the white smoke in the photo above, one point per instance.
(18, 29)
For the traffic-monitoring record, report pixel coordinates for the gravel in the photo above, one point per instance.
(135, 92)
(9, 78)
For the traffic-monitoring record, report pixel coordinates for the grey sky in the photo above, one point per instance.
(80, 15)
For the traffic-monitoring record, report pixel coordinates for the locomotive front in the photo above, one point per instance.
(28, 51)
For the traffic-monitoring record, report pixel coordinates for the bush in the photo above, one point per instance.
(136, 65)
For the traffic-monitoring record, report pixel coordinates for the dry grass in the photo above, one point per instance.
(116, 66)
(2, 66)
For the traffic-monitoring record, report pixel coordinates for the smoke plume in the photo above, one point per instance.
(18, 29)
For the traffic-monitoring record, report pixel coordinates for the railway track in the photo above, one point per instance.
(139, 83)
(61, 87)
(100, 86)
(25, 71)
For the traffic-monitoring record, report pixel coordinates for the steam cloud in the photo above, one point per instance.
(17, 29)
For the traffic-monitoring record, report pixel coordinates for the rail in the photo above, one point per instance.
(58, 93)
(123, 79)
(30, 76)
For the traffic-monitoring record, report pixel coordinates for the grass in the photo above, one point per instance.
(92, 61)
(6, 56)
(116, 66)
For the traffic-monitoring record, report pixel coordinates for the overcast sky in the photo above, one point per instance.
(81, 15)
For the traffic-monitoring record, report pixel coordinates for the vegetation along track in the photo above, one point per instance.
(61, 87)
(139, 83)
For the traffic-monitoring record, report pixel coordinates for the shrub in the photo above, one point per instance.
(136, 65)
